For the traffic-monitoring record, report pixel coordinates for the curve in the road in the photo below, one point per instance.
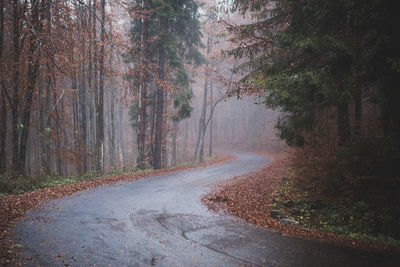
(160, 221)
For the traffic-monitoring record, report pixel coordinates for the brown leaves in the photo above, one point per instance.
(14, 207)
(250, 198)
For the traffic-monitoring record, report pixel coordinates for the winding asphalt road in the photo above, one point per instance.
(160, 221)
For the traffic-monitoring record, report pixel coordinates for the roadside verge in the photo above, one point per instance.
(14, 206)
(251, 198)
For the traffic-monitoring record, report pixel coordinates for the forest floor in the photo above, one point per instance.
(14, 206)
(284, 198)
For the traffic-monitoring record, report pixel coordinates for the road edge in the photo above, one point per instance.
(221, 199)
(14, 207)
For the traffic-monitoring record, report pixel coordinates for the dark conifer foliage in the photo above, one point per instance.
(309, 56)
(169, 36)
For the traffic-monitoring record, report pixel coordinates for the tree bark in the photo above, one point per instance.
(46, 134)
(152, 120)
(358, 112)
(141, 138)
(185, 152)
(159, 104)
(3, 132)
(90, 135)
(211, 122)
(100, 99)
(200, 138)
(95, 82)
(83, 104)
(112, 117)
(343, 123)
(15, 97)
(165, 131)
(203, 119)
(47, 130)
(58, 138)
(174, 136)
(33, 67)
(120, 135)
(75, 117)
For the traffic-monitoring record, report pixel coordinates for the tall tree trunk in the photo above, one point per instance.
(46, 153)
(120, 135)
(185, 152)
(3, 131)
(82, 121)
(343, 123)
(75, 117)
(141, 138)
(92, 132)
(82, 104)
(112, 117)
(174, 136)
(100, 99)
(211, 122)
(203, 119)
(42, 119)
(75, 113)
(95, 90)
(58, 137)
(358, 112)
(202, 129)
(164, 144)
(63, 142)
(152, 120)
(15, 97)
(159, 103)
(33, 67)
(90, 84)
(47, 136)
(48, 93)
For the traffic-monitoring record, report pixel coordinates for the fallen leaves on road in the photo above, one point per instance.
(14, 207)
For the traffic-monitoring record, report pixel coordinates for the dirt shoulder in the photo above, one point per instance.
(251, 197)
(14, 207)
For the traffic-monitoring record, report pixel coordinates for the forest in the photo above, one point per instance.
(85, 86)
(93, 89)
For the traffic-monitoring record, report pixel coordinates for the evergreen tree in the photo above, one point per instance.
(308, 55)
(174, 29)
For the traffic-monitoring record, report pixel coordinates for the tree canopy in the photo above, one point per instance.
(305, 56)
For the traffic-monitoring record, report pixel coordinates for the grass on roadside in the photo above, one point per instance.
(358, 220)
(10, 184)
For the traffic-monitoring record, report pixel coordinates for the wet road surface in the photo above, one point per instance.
(160, 221)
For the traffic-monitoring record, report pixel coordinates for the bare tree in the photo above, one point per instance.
(100, 98)
(202, 128)
(141, 138)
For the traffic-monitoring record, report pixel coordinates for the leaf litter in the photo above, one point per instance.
(13, 207)
(250, 197)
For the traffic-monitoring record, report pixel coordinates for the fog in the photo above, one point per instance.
(104, 91)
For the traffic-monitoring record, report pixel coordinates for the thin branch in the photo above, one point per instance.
(8, 97)
(55, 104)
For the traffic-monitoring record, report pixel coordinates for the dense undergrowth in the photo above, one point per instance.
(360, 220)
(10, 184)
(354, 193)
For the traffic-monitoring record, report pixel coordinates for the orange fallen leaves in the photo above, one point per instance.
(14, 207)
(249, 197)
